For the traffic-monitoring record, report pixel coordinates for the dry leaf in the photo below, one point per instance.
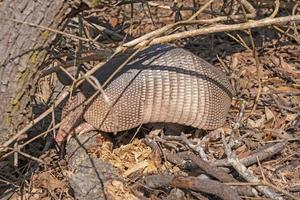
(286, 89)
(48, 181)
(269, 114)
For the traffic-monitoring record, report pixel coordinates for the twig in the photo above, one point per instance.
(104, 29)
(201, 10)
(184, 138)
(293, 110)
(71, 36)
(32, 139)
(160, 31)
(33, 122)
(181, 163)
(257, 64)
(286, 33)
(98, 56)
(276, 9)
(205, 185)
(246, 173)
(192, 183)
(239, 40)
(261, 155)
(223, 28)
(211, 170)
(281, 190)
(26, 155)
(294, 25)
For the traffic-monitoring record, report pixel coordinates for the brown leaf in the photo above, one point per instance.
(286, 89)
(48, 181)
(269, 114)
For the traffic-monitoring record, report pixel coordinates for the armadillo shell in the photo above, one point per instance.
(160, 84)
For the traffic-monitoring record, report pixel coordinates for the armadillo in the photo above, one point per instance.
(162, 83)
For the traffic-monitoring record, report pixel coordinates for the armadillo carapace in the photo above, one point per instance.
(160, 84)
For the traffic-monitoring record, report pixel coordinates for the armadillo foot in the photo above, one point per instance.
(82, 128)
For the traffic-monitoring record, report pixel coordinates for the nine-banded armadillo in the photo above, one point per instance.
(160, 84)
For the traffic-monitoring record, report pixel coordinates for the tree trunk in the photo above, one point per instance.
(23, 49)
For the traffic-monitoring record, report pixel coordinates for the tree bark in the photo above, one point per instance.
(23, 49)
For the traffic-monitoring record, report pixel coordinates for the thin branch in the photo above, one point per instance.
(224, 28)
(33, 122)
(71, 36)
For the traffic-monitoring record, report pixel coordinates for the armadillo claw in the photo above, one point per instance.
(81, 129)
(62, 135)
(84, 128)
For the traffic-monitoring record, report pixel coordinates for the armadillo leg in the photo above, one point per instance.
(78, 130)
(71, 117)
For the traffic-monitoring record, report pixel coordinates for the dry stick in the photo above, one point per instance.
(94, 57)
(7, 182)
(257, 64)
(16, 155)
(223, 28)
(246, 173)
(153, 34)
(239, 40)
(53, 121)
(21, 146)
(247, 5)
(191, 20)
(205, 185)
(219, 174)
(68, 73)
(184, 138)
(103, 29)
(160, 31)
(285, 33)
(191, 183)
(170, 26)
(71, 36)
(261, 155)
(281, 190)
(32, 139)
(36, 120)
(149, 10)
(26, 155)
(276, 9)
(294, 25)
(31, 157)
(211, 170)
(201, 10)
(156, 5)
